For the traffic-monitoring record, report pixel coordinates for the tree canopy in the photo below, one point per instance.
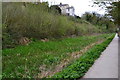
(112, 8)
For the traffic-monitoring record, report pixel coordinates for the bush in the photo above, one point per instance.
(37, 21)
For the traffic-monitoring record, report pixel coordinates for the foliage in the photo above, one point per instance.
(103, 22)
(114, 12)
(113, 9)
(7, 39)
(25, 61)
(38, 21)
(81, 66)
(55, 9)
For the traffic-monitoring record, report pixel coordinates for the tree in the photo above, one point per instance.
(96, 19)
(55, 9)
(114, 12)
(112, 8)
(87, 16)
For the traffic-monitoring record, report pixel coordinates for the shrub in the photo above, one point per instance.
(37, 21)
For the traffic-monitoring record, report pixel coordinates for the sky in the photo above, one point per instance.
(81, 6)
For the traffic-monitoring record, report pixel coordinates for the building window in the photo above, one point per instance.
(68, 9)
(68, 14)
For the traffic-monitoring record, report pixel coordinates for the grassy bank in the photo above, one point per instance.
(81, 66)
(39, 22)
(26, 61)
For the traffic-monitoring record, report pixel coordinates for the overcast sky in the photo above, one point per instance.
(81, 6)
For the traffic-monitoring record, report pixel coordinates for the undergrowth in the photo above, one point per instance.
(25, 61)
(81, 66)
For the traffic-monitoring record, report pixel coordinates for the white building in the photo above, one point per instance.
(70, 11)
(66, 10)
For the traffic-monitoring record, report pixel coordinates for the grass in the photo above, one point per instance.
(25, 61)
(81, 66)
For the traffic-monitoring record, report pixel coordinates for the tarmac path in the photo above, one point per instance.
(107, 65)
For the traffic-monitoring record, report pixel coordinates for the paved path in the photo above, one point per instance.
(107, 65)
(119, 59)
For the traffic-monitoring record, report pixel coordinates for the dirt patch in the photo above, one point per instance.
(65, 62)
(24, 41)
(45, 40)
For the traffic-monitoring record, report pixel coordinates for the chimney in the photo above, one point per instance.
(60, 3)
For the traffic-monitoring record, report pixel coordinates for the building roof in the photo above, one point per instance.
(62, 4)
(70, 8)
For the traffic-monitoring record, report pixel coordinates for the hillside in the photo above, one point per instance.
(40, 22)
(39, 42)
